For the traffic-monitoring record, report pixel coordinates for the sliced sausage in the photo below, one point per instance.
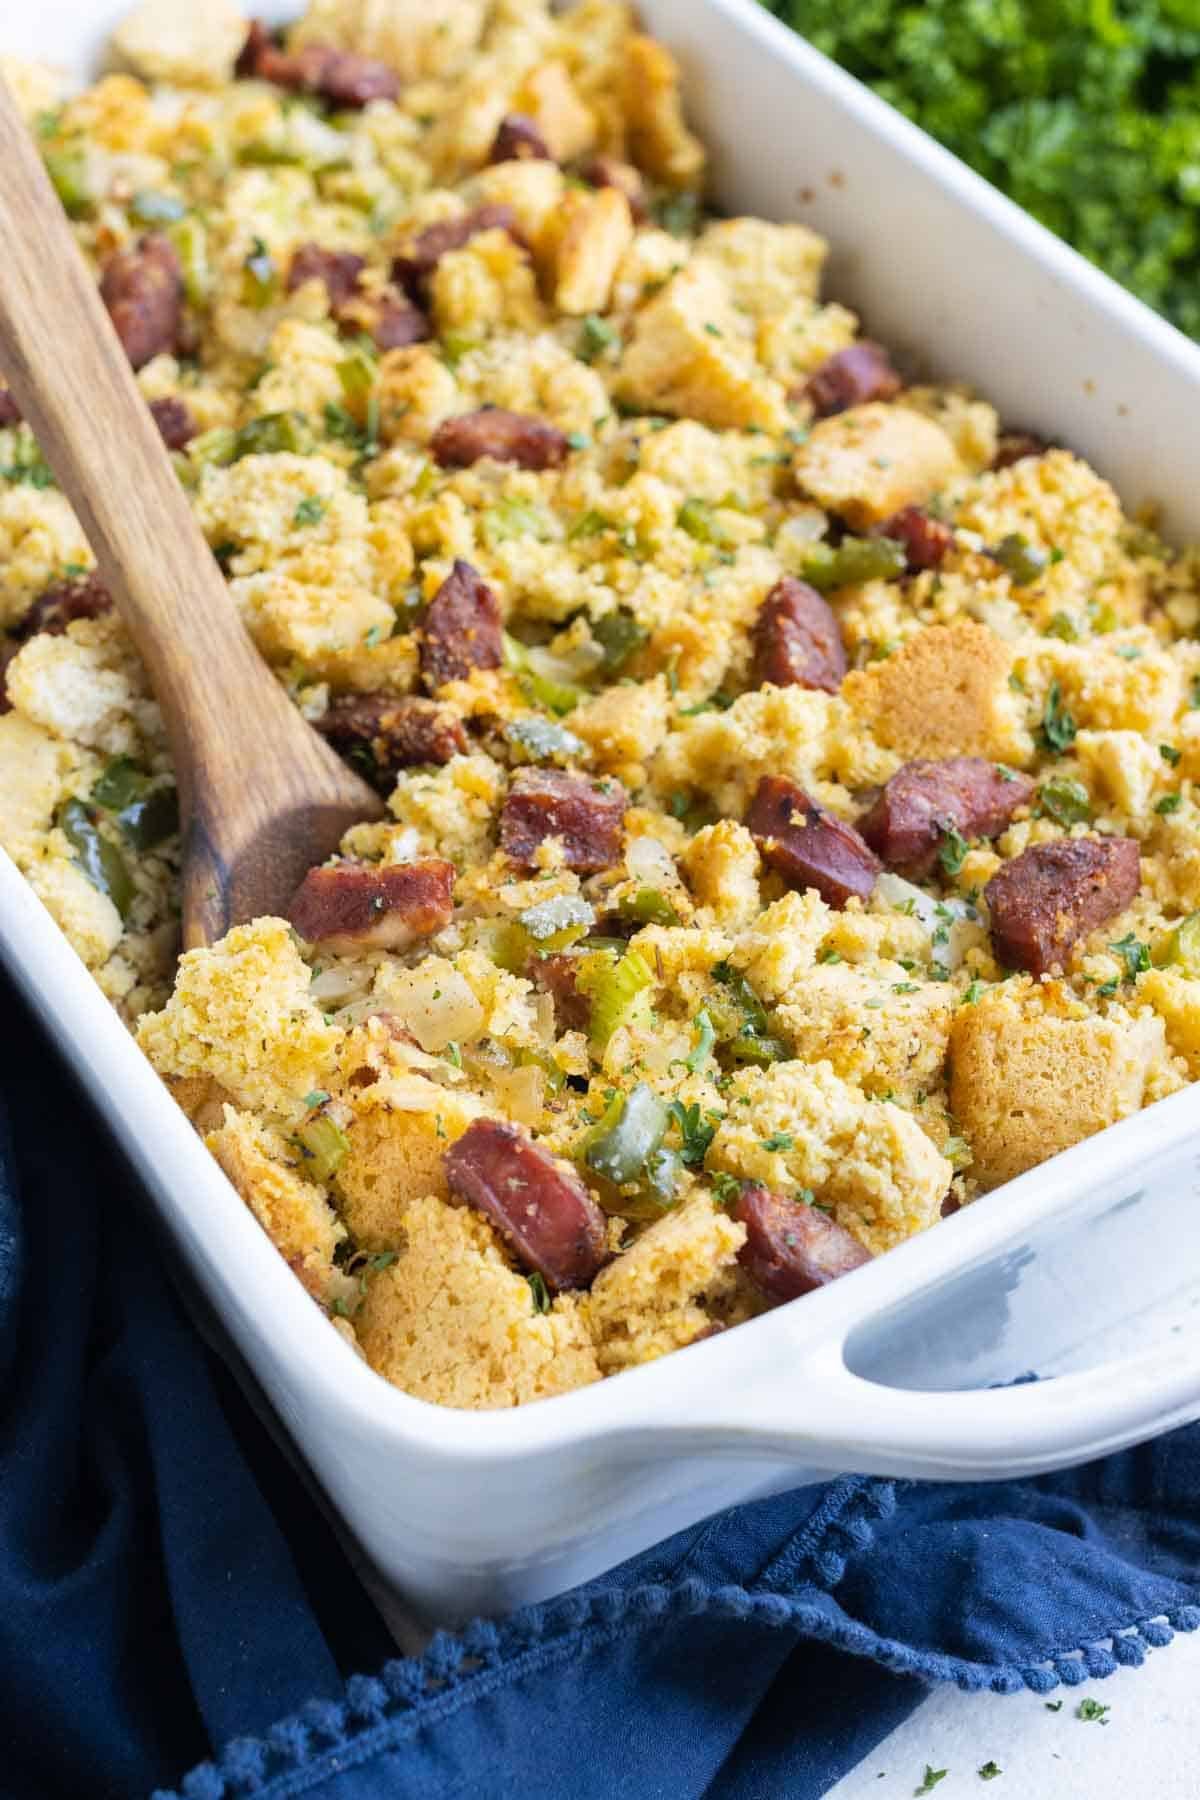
(924, 800)
(387, 732)
(790, 1248)
(339, 76)
(413, 269)
(851, 377)
(337, 270)
(508, 437)
(609, 171)
(808, 846)
(351, 906)
(797, 642)
(1015, 446)
(538, 1203)
(519, 139)
(557, 975)
(549, 803)
(85, 597)
(10, 412)
(143, 291)
(461, 630)
(176, 425)
(394, 322)
(1053, 894)
(926, 540)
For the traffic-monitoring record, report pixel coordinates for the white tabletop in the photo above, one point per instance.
(1148, 1744)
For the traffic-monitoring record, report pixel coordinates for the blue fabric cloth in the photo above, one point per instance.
(176, 1616)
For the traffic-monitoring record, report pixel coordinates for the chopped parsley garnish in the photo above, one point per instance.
(596, 336)
(1170, 803)
(1170, 754)
(932, 1777)
(988, 1771)
(539, 1293)
(727, 1189)
(317, 1097)
(1092, 1712)
(829, 956)
(696, 1133)
(952, 851)
(778, 1140)
(310, 511)
(972, 993)
(1058, 727)
(1134, 954)
(1065, 801)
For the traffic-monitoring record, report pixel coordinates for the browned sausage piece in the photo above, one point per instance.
(851, 377)
(143, 291)
(462, 629)
(1015, 446)
(548, 803)
(10, 412)
(508, 437)
(808, 846)
(351, 906)
(176, 425)
(538, 1203)
(557, 975)
(519, 140)
(797, 642)
(427, 249)
(923, 800)
(609, 171)
(85, 597)
(338, 270)
(394, 322)
(790, 1248)
(1052, 894)
(389, 732)
(339, 76)
(925, 540)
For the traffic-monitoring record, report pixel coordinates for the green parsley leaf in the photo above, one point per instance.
(1091, 1712)
(727, 1189)
(1170, 803)
(1067, 802)
(952, 852)
(932, 1777)
(972, 993)
(310, 511)
(989, 1771)
(596, 336)
(1053, 1705)
(1170, 754)
(1058, 727)
(696, 1133)
(539, 1293)
(1134, 954)
(779, 1140)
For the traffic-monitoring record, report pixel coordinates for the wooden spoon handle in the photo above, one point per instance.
(73, 383)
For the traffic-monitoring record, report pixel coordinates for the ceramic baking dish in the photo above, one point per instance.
(1087, 1269)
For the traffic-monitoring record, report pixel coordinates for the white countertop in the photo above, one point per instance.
(1149, 1744)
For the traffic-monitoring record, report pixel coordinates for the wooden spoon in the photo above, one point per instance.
(262, 797)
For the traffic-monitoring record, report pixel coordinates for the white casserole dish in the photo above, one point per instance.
(1087, 1268)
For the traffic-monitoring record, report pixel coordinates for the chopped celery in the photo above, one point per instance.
(260, 277)
(456, 345)
(632, 1128)
(855, 561)
(542, 740)
(614, 988)
(697, 518)
(213, 449)
(1065, 800)
(271, 434)
(596, 336)
(740, 1020)
(121, 782)
(536, 685)
(649, 906)
(705, 1039)
(357, 374)
(1021, 559)
(512, 517)
(322, 1143)
(67, 170)
(99, 859)
(1184, 951)
(619, 634)
(191, 244)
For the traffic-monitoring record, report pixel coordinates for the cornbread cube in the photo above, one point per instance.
(781, 944)
(488, 285)
(722, 866)
(1175, 997)
(85, 915)
(886, 1041)
(417, 38)
(291, 619)
(1122, 766)
(865, 464)
(663, 1291)
(867, 1159)
(295, 1213)
(453, 1322)
(594, 232)
(550, 98)
(192, 46)
(765, 267)
(689, 356)
(624, 725)
(659, 141)
(402, 1129)
(534, 188)
(83, 684)
(39, 537)
(946, 692)
(242, 1013)
(1027, 1082)
(36, 765)
(453, 809)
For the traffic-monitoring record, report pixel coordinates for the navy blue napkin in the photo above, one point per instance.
(176, 1615)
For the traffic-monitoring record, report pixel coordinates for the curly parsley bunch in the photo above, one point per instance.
(1086, 112)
